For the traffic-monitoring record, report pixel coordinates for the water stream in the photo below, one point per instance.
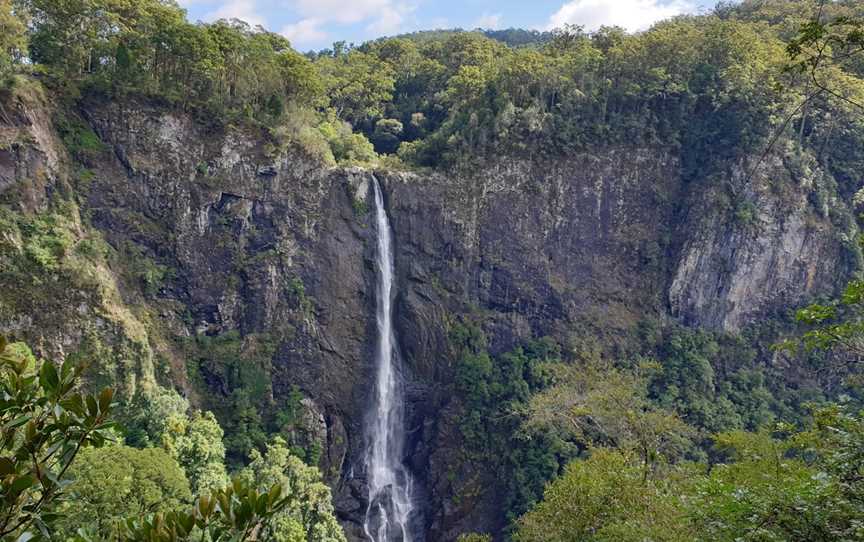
(390, 484)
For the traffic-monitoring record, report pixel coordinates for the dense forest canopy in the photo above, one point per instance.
(443, 97)
(683, 439)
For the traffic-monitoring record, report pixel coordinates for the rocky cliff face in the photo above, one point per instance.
(268, 242)
(765, 236)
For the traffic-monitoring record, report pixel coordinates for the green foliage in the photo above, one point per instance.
(49, 243)
(236, 372)
(763, 492)
(289, 414)
(45, 424)
(631, 415)
(837, 439)
(461, 94)
(345, 145)
(599, 405)
(527, 412)
(45, 240)
(13, 38)
(387, 134)
(308, 514)
(80, 139)
(358, 85)
(56, 271)
(117, 482)
(604, 497)
(782, 485)
(120, 46)
(160, 418)
(801, 487)
(519, 37)
(150, 275)
(837, 325)
(129, 494)
(714, 87)
(688, 382)
(236, 513)
(495, 392)
(834, 34)
(196, 444)
(146, 417)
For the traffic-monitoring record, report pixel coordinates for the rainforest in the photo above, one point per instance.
(454, 285)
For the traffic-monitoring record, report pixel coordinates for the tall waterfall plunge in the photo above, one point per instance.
(391, 498)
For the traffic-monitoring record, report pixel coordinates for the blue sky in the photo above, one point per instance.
(315, 24)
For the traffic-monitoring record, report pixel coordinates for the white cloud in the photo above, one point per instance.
(389, 21)
(315, 16)
(245, 10)
(340, 11)
(490, 21)
(381, 16)
(306, 31)
(633, 15)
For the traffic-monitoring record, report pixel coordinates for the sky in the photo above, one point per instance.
(316, 24)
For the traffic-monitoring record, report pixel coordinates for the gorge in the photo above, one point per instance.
(430, 275)
(278, 247)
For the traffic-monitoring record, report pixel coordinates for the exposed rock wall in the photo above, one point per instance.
(265, 240)
(757, 239)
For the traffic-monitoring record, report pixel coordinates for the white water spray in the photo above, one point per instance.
(390, 484)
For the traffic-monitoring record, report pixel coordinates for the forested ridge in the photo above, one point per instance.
(719, 81)
(673, 432)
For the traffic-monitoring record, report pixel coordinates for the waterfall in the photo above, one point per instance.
(390, 483)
